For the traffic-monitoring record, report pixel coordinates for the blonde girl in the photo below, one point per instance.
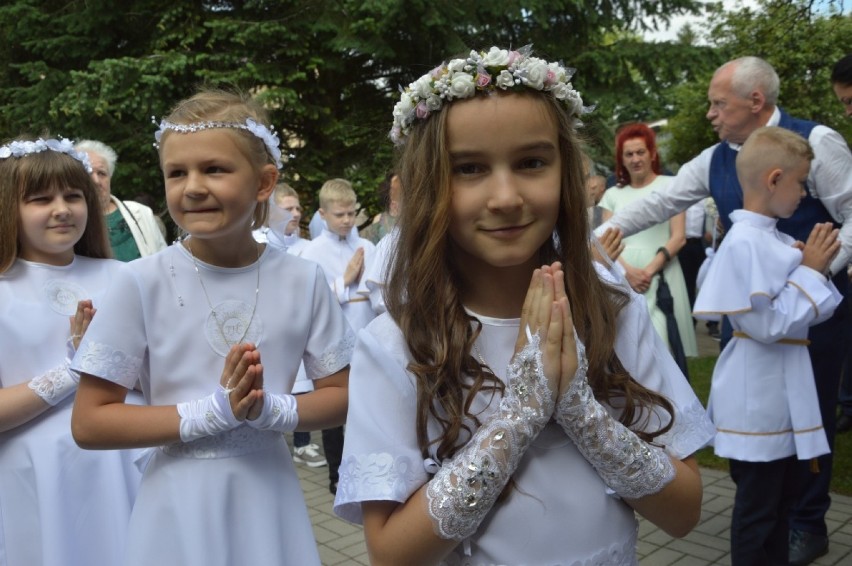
(191, 323)
(514, 406)
(59, 504)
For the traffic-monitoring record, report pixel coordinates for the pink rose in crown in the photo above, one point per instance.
(550, 78)
(422, 111)
(513, 56)
(483, 79)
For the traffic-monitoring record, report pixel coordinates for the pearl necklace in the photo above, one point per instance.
(210, 304)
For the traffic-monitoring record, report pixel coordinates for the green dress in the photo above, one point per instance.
(640, 249)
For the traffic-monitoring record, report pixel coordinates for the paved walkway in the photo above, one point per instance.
(341, 543)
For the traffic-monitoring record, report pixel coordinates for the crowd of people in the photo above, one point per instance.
(506, 350)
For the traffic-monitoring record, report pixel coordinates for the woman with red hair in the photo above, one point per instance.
(647, 253)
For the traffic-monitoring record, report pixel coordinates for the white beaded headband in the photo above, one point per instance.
(267, 135)
(485, 72)
(22, 148)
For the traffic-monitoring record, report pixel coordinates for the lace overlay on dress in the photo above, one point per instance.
(333, 359)
(236, 442)
(108, 363)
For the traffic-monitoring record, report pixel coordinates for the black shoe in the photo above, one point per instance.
(844, 423)
(806, 547)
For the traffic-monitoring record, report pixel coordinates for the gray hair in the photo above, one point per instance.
(101, 149)
(754, 74)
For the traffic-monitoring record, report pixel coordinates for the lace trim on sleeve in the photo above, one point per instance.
(692, 430)
(108, 363)
(333, 359)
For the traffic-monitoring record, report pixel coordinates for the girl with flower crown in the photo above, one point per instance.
(52, 268)
(191, 322)
(514, 405)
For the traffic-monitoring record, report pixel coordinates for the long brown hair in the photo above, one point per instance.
(423, 297)
(41, 172)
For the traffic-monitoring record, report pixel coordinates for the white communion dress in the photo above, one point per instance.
(232, 498)
(559, 510)
(60, 505)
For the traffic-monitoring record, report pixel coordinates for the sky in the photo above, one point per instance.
(678, 22)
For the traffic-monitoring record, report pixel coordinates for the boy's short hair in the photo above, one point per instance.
(336, 191)
(770, 147)
(283, 190)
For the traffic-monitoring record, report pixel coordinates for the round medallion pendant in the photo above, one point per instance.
(231, 323)
(63, 296)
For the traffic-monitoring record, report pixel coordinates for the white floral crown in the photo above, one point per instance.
(266, 135)
(483, 72)
(21, 148)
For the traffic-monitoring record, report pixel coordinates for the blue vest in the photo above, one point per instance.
(726, 190)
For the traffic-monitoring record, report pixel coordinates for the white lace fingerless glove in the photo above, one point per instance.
(278, 413)
(206, 416)
(57, 384)
(631, 467)
(466, 487)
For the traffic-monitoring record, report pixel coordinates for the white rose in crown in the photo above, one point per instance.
(535, 73)
(404, 106)
(422, 87)
(462, 85)
(433, 102)
(456, 65)
(505, 80)
(496, 58)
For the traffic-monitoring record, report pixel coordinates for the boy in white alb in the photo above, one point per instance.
(344, 257)
(763, 398)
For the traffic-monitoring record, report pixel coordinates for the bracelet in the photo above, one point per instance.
(665, 252)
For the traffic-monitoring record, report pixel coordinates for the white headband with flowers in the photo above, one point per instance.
(266, 134)
(483, 72)
(22, 148)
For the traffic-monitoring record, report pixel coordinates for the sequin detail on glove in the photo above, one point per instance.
(466, 487)
(207, 416)
(631, 467)
(278, 413)
(57, 384)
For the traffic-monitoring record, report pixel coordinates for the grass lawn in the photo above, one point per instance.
(700, 371)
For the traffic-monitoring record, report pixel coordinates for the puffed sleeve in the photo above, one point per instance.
(381, 458)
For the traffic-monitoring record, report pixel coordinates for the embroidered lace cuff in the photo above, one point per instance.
(630, 467)
(465, 488)
(57, 384)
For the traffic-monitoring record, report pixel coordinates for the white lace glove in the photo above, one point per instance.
(57, 384)
(278, 413)
(466, 487)
(631, 467)
(207, 416)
